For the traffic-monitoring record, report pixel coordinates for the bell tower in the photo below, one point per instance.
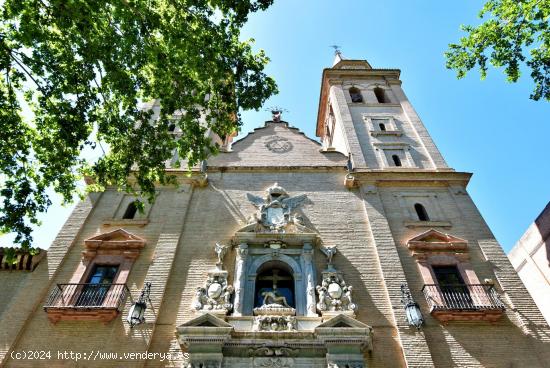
(364, 111)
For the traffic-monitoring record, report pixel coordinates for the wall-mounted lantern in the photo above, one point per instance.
(412, 310)
(137, 311)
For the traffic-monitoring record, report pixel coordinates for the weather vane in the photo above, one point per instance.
(337, 50)
(276, 113)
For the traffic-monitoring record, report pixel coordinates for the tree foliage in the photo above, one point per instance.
(515, 32)
(75, 71)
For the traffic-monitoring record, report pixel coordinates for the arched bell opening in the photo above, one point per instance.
(274, 280)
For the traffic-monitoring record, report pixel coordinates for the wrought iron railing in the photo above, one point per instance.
(87, 296)
(462, 297)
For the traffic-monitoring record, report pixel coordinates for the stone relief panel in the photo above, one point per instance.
(275, 210)
(216, 295)
(334, 294)
(274, 323)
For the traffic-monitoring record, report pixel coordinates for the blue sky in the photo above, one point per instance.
(490, 127)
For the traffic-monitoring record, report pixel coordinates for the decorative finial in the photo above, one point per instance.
(337, 50)
(276, 113)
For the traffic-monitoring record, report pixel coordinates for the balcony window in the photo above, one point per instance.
(97, 290)
(463, 302)
(452, 289)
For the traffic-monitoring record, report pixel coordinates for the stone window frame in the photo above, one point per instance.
(430, 202)
(115, 248)
(449, 251)
(406, 158)
(102, 250)
(392, 128)
(141, 219)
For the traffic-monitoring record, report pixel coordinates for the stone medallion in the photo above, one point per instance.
(278, 144)
(215, 290)
(334, 290)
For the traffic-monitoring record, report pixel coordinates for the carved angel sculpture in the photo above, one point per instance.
(221, 251)
(329, 252)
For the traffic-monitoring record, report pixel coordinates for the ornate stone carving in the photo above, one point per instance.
(221, 251)
(329, 252)
(274, 362)
(269, 350)
(216, 295)
(274, 323)
(274, 309)
(275, 210)
(278, 144)
(334, 294)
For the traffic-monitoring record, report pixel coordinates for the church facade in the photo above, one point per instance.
(363, 250)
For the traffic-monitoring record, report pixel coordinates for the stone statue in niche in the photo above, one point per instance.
(271, 297)
(275, 210)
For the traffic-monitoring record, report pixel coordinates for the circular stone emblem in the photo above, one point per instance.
(334, 290)
(214, 290)
(278, 144)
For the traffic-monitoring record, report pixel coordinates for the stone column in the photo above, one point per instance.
(307, 255)
(239, 278)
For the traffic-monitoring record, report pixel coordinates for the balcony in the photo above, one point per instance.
(464, 302)
(89, 302)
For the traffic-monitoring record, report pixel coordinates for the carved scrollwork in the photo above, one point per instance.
(274, 323)
(275, 211)
(335, 294)
(215, 295)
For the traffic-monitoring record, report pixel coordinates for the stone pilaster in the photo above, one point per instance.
(239, 279)
(413, 342)
(307, 254)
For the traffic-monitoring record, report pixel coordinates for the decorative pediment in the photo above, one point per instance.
(343, 330)
(436, 241)
(116, 242)
(205, 320)
(342, 321)
(205, 333)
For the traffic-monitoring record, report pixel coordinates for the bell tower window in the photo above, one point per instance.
(274, 285)
(396, 160)
(355, 95)
(381, 95)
